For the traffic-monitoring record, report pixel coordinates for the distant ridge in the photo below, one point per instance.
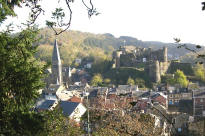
(109, 42)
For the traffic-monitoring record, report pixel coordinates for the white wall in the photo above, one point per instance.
(79, 111)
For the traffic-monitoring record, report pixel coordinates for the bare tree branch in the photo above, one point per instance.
(59, 14)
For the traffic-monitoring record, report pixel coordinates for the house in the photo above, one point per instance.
(141, 94)
(88, 65)
(159, 98)
(53, 89)
(180, 124)
(75, 99)
(199, 103)
(180, 94)
(78, 61)
(125, 89)
(44, 104)
(180, 100)
(73, 110)
(50, 97)
(102, 91)
(141, 105)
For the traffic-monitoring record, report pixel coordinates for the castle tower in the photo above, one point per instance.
(157, 72)
(165, 54)
(154, 71)
(118, 53)
(56, 65)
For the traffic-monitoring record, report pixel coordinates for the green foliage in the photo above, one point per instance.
(71, 44)
(180, 78)
(97, 80)
(101, 66)
(56, 124)
(120, 76)
(199, 72)
(20, 79)
(44, 52)
(107, 81)
(140, 82)
(130, 81)
(169, 79)
(8, 9)
(177, 78)
(185, 67)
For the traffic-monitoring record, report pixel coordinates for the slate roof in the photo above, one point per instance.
(141, 94)
(93, 94)
(52, 88)
(155, 95)
(50, 97)
(68, 107)
(45, 104)
(145, 94)
(199, 93)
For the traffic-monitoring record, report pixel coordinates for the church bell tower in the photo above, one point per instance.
(56, 65)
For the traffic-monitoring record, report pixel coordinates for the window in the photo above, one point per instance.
(179, 130)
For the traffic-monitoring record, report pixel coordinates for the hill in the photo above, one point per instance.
(76, 44)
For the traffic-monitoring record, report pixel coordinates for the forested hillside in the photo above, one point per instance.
(192, 57)
(76, 44)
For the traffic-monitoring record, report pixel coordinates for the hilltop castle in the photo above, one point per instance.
(154, 62)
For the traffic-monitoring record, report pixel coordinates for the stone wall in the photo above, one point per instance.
(156, 63)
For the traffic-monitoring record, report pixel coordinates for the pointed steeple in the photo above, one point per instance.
(56, 54)
(56, 65)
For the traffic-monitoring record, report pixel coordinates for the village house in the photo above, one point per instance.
(76, 99)
(180, 124)
(44, 104)
(199, 103)
(53, 89)
(159, 98)
(73, 110)
(180, 101)
(125, 89)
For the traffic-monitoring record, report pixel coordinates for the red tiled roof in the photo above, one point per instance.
(160, 99)
(75, 99)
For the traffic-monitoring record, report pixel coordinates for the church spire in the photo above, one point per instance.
(56, 54)
(56, 65)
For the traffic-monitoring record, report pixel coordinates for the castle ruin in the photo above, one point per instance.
(155, 62)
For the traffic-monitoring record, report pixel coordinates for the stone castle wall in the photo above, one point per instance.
(156, 63)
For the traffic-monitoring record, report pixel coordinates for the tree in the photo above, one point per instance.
(130, 81)
(199, 72)
(127, 124)
(21, 74)
(180, 78)
(107, 81)
(20, 80)
(97, 80)
(56, 124)
(140, 82)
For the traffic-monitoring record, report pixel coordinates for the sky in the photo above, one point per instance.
(147, 20)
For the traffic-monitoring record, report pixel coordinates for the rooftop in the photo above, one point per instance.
(68, 107)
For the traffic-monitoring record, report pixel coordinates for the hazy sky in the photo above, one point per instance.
(147, 20)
